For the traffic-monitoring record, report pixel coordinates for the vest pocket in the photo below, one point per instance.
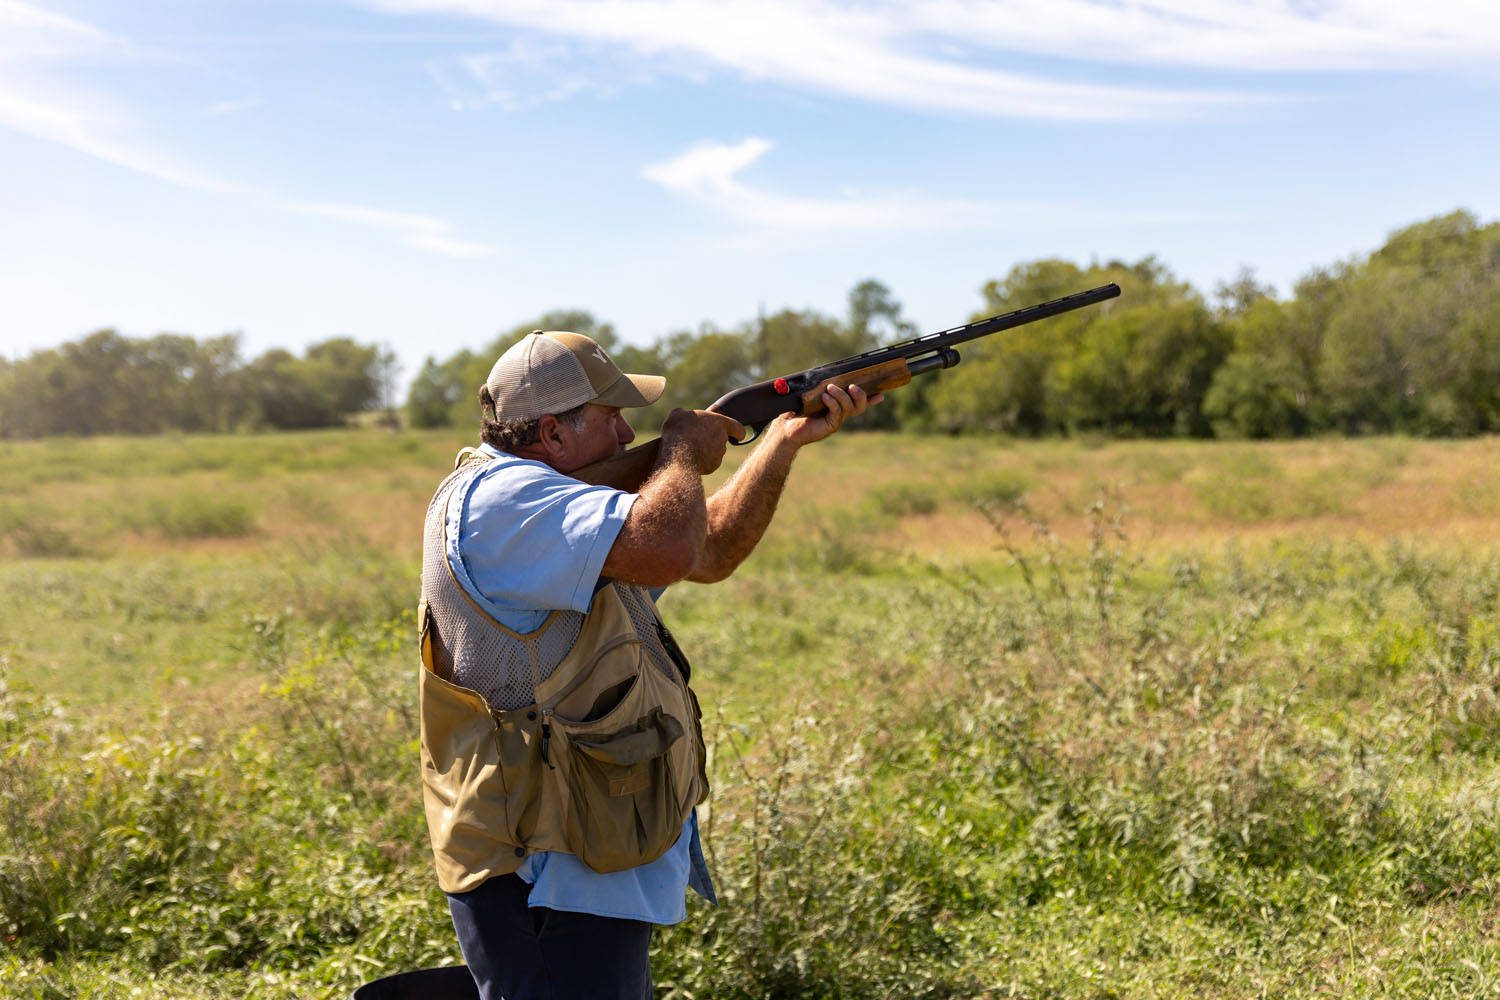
(627, 776)
(482, 787)
(624, 807)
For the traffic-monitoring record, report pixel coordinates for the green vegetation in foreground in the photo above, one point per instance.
(1087, 768)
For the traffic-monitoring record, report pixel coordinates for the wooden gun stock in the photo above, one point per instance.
(626, 471)
(876, 378)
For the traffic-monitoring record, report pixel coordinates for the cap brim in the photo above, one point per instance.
(633, 390)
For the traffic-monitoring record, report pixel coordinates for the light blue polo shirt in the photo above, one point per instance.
(524, 540)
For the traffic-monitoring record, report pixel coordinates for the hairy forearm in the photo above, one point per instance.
(740, 511)
(663, 538)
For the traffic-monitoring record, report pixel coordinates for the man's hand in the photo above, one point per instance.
(842, 404)
(704, 435)
(740, 511)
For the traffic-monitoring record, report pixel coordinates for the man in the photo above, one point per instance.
(561, 749)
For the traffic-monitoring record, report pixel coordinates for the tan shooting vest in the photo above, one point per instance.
(604, 759)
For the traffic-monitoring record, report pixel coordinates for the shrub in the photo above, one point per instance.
(199, 515)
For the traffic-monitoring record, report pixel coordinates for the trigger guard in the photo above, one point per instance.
(753, 433)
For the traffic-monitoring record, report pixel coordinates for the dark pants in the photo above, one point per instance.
(517, 952)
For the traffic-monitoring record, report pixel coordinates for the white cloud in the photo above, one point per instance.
(85, 134)
(1227, 34)
(522, 75)
(425, 232)
(709, 174)
(28, 32)
(91, 126)
(947, 55)
(873, 53)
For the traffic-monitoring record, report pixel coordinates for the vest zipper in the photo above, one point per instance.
(547, 737)
(674, 651)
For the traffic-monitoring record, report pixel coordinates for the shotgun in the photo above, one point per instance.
(757, 404)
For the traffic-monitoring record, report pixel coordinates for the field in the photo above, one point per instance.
(1077, 720)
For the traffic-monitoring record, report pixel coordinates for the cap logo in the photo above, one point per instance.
(599, 353)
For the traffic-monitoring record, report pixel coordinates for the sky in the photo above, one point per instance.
(423, 174)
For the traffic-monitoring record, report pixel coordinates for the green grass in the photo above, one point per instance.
(1034, 748)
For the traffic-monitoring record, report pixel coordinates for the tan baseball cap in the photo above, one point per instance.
(550, 371)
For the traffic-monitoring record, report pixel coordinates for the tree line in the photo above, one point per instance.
(108, 383)
(1404, 340)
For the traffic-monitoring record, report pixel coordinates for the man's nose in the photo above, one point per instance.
(624, 432)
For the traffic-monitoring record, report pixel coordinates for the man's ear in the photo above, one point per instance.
(550, 436)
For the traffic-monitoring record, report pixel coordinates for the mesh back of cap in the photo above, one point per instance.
(538, 376)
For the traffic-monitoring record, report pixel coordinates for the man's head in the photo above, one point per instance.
(556, 397)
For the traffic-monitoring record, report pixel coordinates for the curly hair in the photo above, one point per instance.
(514, 433)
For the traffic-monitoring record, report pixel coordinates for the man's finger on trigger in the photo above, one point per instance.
(732, 427)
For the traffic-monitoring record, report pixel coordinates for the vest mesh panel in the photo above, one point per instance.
(498, 664)
(642, 615)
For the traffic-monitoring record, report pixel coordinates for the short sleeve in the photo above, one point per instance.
(523, 537)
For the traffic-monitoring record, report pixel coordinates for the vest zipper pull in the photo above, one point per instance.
(674, 651)
(546, 740)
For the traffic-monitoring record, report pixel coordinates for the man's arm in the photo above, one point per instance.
(672, 533)
(664, 534)
(740, 511)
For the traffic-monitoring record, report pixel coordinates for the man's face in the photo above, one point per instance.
(605, 432)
